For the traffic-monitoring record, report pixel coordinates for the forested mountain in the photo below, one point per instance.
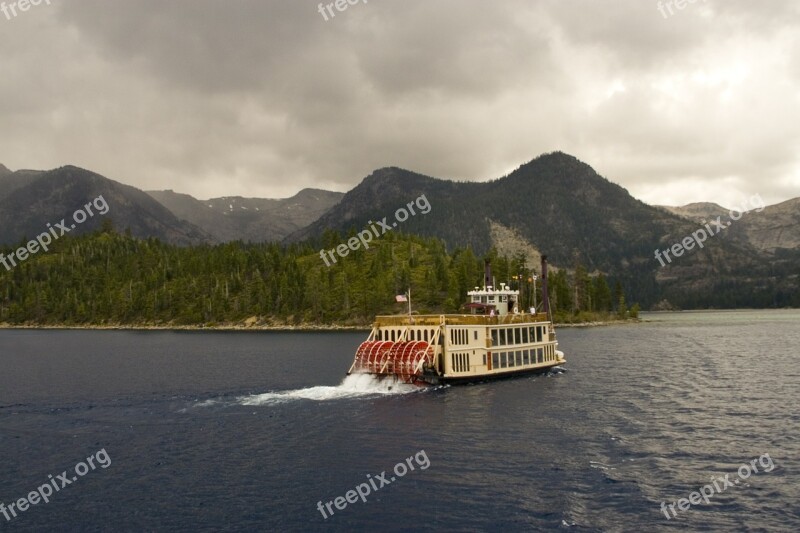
(249, 219)
(563, 208)
(30, 199)
(554, 204)
(112, 279)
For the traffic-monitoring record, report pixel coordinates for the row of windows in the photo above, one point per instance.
(490, 299)
(523, 357)
(461, 336)
(506, 336)
(413, 335)
(460, 362)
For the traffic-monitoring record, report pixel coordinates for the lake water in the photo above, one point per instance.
(244, 431)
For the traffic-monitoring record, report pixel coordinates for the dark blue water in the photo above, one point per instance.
(248, 431)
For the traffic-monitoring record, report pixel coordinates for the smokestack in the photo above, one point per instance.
(487, 273)
(545, 298)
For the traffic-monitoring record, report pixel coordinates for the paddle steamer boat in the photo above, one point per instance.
(494, 340)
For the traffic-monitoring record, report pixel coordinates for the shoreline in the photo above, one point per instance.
(261, 327)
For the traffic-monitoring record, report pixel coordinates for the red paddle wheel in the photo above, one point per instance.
(406, 360)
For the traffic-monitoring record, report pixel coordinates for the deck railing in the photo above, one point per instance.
(459, 320)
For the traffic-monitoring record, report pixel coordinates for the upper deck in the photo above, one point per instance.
(459, 320)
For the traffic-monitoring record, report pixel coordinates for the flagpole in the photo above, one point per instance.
(409, 302)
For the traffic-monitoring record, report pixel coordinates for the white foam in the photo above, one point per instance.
(353, 386)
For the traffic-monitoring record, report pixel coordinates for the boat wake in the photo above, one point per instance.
(353, 386)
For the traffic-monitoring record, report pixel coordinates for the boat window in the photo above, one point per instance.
(502, 337)
(484, 359)
(541, 354)
(517, 336)
(503, 360)
(519, 358)
(525, 335)
(532, 331)
(526, 356)
(494, 337)
(475, 335)
(495, 360)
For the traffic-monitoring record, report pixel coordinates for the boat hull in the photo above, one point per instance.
(432, 379)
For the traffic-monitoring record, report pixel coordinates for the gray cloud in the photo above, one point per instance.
(262, 98)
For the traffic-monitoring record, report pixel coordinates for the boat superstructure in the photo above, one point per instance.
(494, 340)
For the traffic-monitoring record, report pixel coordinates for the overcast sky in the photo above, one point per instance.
(266, 97)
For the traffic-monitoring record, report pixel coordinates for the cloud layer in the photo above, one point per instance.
(263, 98)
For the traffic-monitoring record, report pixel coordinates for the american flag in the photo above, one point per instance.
(401, 298)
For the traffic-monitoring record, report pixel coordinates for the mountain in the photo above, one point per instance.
(769, 230)
(562, 207)
(11, 181)
(555, 202)
(249, 219)
(29, 200)
(554, 205)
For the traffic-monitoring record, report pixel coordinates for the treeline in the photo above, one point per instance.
(109, 278)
